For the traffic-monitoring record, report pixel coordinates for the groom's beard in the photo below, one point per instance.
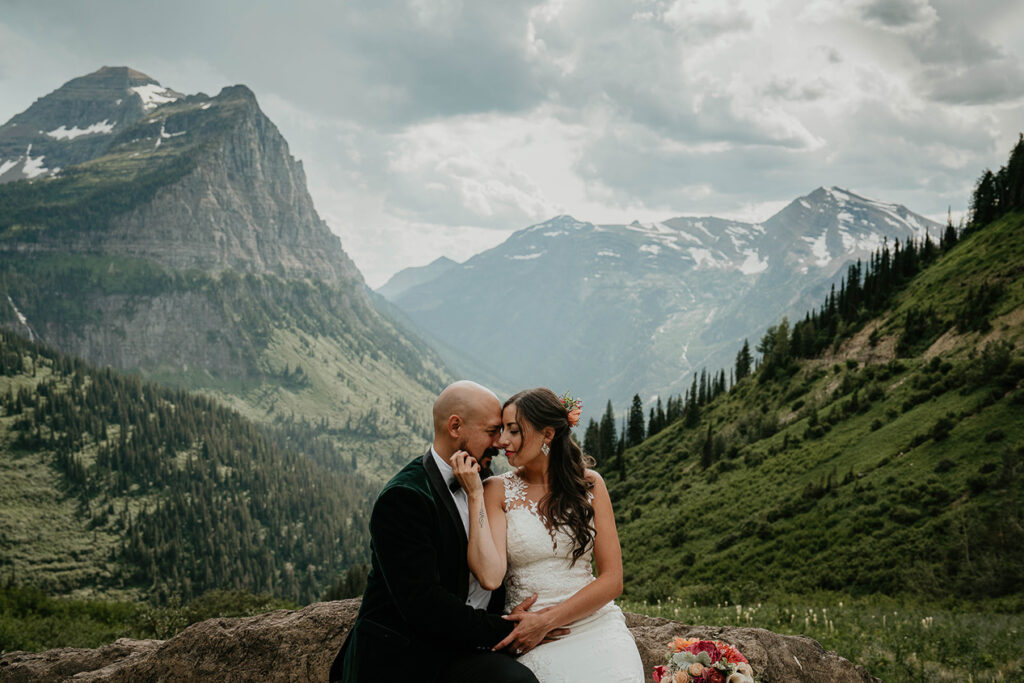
(489, 451)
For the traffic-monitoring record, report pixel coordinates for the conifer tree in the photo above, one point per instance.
(607, 438)
(984, 203)
(743, 361)
(691, 412)
(592, 441)
(635, 430)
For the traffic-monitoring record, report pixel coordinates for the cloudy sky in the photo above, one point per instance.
(437, 127)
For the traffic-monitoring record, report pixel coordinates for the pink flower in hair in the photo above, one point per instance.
(573, 408)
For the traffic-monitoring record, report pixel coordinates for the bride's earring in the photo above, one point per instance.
(545, 449)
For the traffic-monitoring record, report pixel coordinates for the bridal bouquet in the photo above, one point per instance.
(691, 660)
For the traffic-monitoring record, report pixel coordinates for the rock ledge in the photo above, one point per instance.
(300, 645)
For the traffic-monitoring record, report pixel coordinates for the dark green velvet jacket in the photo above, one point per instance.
(414, 615)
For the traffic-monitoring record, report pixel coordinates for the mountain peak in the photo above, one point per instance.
(241, 92)
(562, 222)
(128, 74)
(77, 121)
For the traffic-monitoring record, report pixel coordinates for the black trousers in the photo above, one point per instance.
(489, 667)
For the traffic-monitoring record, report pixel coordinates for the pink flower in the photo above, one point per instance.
(659, 673)
(705, 646)
(574, 417)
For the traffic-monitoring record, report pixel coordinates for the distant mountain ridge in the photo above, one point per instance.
(413, 277)
(610, 310)
(183, 244)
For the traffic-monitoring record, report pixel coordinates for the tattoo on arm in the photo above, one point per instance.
(481, 517)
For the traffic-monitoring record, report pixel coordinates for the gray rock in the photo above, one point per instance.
(774, 657)
(300, 646)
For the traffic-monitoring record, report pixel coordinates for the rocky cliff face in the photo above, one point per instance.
(301, 645)
(224, 190)
(183, 244)
(243, 207)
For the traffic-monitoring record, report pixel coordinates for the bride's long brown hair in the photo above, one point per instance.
(566, 503)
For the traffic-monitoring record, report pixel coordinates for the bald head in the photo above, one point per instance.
(467, 417)
(466, 399)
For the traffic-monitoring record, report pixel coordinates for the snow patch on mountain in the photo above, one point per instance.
(703, 257)
(690, 237)
(871, 242)
(752, 264)
(33, 168)
(65, 133)
(819, 248)
(153, 95)
(22, 319)
(700, 226)
(652, 249)
(526, 257)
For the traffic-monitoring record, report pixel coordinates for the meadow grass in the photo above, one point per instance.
(894, 639)
(31, 620)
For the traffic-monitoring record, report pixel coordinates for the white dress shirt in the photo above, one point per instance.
(478, 596)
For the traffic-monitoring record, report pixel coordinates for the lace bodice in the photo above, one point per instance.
(539, 558)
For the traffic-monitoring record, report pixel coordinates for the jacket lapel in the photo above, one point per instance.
(442, 493)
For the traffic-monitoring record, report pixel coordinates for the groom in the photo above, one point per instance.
(424, 615)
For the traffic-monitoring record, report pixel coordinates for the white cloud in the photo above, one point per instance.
(427, 126)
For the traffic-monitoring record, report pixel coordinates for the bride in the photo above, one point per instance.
(538, 528)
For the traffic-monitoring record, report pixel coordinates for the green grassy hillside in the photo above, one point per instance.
(857, 472)
(278, 351)
(118, 487)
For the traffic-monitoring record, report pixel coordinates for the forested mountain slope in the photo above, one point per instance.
(116, 486)
(891, 461)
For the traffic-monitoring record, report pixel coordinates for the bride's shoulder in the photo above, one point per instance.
(495, 480)
(496, 483)
(598, 489)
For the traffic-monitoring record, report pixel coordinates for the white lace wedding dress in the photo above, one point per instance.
(599, 647)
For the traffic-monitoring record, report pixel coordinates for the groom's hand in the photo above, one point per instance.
(467, 471)
(532, 628)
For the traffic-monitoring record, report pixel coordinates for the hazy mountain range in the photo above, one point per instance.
(609, 310)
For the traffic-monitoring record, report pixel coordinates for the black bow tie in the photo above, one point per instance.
(454, 486)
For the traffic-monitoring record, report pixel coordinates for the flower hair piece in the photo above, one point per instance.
(574, 407)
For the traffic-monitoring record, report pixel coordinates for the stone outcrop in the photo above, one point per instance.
(300, 646)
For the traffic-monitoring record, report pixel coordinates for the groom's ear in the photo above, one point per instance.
(454, 425)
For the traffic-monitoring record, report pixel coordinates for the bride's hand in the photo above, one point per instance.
(467, 471)
(532, 629)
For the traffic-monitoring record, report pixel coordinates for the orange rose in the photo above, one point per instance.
(679, 644)
(574, 417)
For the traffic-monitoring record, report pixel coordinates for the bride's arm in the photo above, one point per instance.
(485, 554)
(532, 626)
